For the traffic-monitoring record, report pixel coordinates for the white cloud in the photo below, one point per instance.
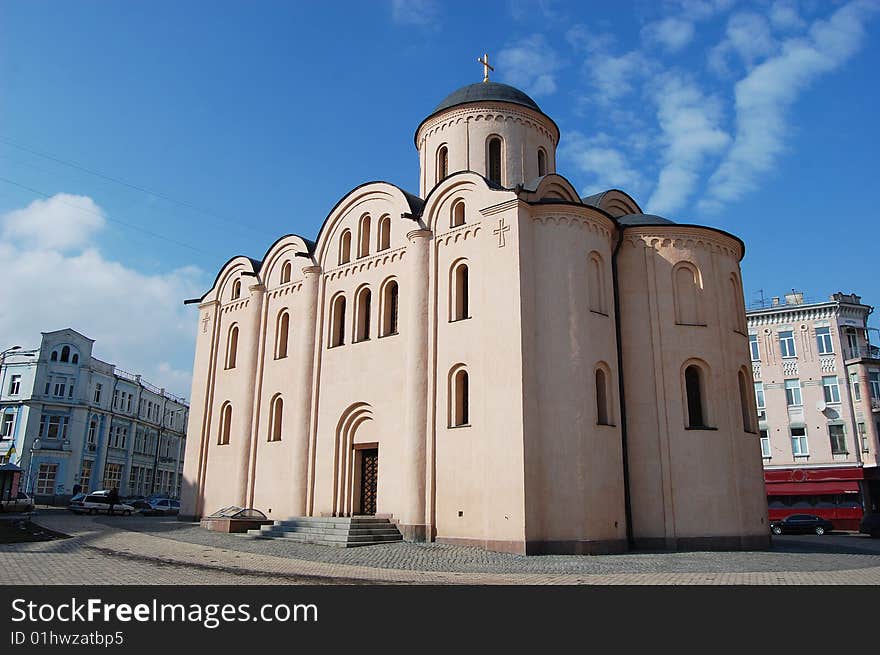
(784, 16)
(748, 36)
(61, 222)
(671, 33)
(531, 65)
(604, 163)
(137, 319)
(414, 12)
(614, 77)
(765, 94)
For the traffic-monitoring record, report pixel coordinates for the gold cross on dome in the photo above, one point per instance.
(486, 67)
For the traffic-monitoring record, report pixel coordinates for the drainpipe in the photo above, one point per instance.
(627, 502)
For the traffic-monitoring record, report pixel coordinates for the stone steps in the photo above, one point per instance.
(341, 532)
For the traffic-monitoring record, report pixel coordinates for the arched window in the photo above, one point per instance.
(345, 247)
(458, 302)
(54, 356)
(602, 413)
(696, 397)
(236, 290)
(337, 325)
(232, 347)
(384, 233)
(74, 359)
(65, 353)
(459, 397)
(275, 419)
(746, 403)
(596, 284)
(225, 424)
(442, 163)
(542, 162)
(364, 237)
(458, 213)
(737, 306)
(282, 327)
(389, 308)
(493, 159)
(687, 295)
(285, 272)
(362, 315)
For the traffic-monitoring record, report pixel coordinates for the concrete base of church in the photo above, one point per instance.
(747, 542)
(414, 532)
(577, 547)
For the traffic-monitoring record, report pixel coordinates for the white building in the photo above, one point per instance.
(69, 419)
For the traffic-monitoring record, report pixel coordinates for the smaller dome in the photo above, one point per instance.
(643, 219)
(482, 91)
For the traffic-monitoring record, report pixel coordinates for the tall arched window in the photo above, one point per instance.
(459, 302)
(737, 306)
(493, 159)
(232, 347)
(687, 295)
(337, 326)
(384, 232)
(65, 353)
(364, 237)
(596, 284)
(236, 290)
(54, 356)
(459, 397)
(389, 308)
(282, 329)
(225, 424)
(442, 163)
(74, 359)
(746, 403)
(458, 213)
(345, 247)
(695, 395)
(602, 413)
(275, 418)
(362, 315)
(542, 162)
(285, 272)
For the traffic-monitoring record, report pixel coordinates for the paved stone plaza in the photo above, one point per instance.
(160, 550)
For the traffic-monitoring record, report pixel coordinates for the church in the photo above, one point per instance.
(494, 361)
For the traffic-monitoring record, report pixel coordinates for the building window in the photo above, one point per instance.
(542, 162)
(362, 315)
(345, 247)
(852, 340)
(282, 328)
(442, 163)
(854, 381)
(389, 308)
(459, 405)
(6, 425)
(46, 479)
(786, 344)
(65, 353)
(459, 302)
(793, 393)
(112, 475)
(765, 445)
(759, 394)
(823, 340)
(695, 395)
(744, 403)
(93, 433)
(60, 387)
(236, 290)
(457, 218)
(602, 410)
(799, 442)
(863, 436)
(54, 356)
(874, 384)
(384, 233)
(737, 307)
(15, 385)
(364, 237)
(53, 427)
(596, 284)
(231, 347)
(285, 272)
(225, 424)
(831, 388)
(687, 294)
(75, 358)
(493, 159)
(838, 439)
(85, 476)
(98, 388)
(275, 419)
(337, 322)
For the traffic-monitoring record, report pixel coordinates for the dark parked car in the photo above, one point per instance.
(801, 524)
(870, 525)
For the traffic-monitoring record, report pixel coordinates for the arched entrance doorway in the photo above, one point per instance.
(356, 479)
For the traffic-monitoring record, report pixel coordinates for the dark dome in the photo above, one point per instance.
(487, 91)
(643, 219)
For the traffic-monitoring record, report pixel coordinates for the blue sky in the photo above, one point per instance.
(233, 123)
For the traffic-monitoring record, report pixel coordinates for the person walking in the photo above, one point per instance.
(113, 497)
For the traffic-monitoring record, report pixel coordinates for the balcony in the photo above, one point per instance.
(867, 351)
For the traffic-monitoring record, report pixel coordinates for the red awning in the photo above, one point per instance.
(811, 488)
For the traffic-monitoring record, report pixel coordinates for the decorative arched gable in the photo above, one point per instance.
(463, 185)
(284, 250)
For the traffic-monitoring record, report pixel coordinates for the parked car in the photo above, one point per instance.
(870, 525)
(98, 502)
(21, 503)
(801, 524)
(162, 506)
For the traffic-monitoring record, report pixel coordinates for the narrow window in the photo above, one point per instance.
(831, 389)
(275, 422)
(236, 290)
(285, 272)
(65, 353)
(384, 233)
(687, 308)
(765, 444)
(753, 348)
(542, 162)
(823, 340)
(799, 447)
(460, 410)
(745, 405)
(601, 398)
(694, 391)
(793, 393)
(458, 214)
(232, 347)
(759, 395)
(596, 284)
(493, 165)
(337, 333)
(736, 305)
(225, 424)
(854, 380)
(362, 331)
(786, 344)
(459, 301)
(838, 439)
(364, 237)
(389, 308)
(345, 247)
(74, 359)
(281, 334)
(54, 356)
(442, 163)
